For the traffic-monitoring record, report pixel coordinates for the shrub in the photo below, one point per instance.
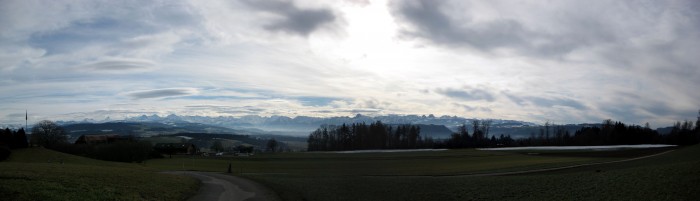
(4, 153)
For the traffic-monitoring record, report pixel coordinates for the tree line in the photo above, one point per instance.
(478, 138)
(50, 135)
(361, 136)
(11, 139)
(613, 133)
(378, 135)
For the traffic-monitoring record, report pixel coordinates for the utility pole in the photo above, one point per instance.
(26, 119)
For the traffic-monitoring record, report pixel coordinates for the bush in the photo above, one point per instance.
(4, 153)
(125, 151)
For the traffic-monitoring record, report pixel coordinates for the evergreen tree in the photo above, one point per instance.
(6, 138)
(20, 139)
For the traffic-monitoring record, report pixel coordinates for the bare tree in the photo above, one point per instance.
(272, 145)
(48, 134)
(697, 123)
(217, 146)
(546, 131)
(478, 135)
(485, 127)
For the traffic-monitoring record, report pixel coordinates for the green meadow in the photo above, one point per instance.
(457, 174)
(42, 174)
(449, 162)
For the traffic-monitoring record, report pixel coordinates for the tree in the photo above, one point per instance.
(48, 134)
(6, 138)
(4, 153)
(217, 146)
(546, 131)
(244, 149)
(272, 145)
(485, 127)
(356, 136)
(477, 133)
(697, 123)
(20, 139)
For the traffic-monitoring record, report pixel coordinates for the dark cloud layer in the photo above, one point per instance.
(546, 102)
(467, 94)
(550, 102)
(148, 18)
(162, 93)
(227, 109)
(120, 65)
(433, 24)
(430, 21)
(294, 20)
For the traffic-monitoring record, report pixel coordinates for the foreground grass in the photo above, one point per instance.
(451, 162)
(672, 176)
(448, 175)
(41, 174)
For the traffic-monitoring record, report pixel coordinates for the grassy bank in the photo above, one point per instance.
(41, 174)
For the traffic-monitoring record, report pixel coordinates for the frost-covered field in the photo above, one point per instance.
(609, 147)
(385, 151)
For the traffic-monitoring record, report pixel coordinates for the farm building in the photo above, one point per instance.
(175, 148)
(102, 139)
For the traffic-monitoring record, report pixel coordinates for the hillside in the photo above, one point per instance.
(42, 174)
(231, 141)
(142, 129)
(303, 125)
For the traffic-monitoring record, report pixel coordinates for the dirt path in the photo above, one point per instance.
(220, 187)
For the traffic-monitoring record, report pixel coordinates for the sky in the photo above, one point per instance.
(558, 61)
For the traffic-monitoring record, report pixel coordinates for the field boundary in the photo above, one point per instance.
(528, 171)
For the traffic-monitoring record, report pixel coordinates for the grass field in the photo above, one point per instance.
(448, 175)
(450, 162)
(41, 174)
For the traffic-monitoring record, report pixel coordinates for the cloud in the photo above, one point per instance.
(564, 60)
(316, 101)
(468, 94)
(229, 110)
(292, 19)
(13, 57)
(428, 20)
(359, 2)
(473, 108)
(546, 102)
(558, 30)
(120, 65)
(551, 102)
(162, 93)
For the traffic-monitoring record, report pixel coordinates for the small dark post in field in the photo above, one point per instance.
(229, 167)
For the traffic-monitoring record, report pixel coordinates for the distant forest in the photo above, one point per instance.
(377, 135)
(363, 136)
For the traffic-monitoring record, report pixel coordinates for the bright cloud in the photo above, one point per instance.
(561, 61)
